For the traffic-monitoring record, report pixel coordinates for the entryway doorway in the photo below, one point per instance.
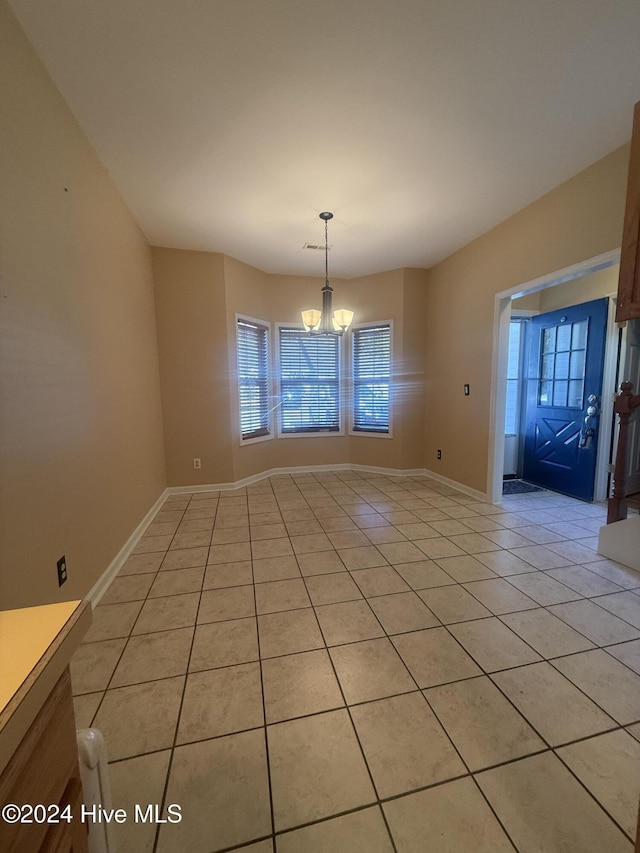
(560, 390)
(538, 415)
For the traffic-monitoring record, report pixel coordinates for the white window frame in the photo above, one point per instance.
(351, 384)
(341, 388)
(268, 326)
(524, 337)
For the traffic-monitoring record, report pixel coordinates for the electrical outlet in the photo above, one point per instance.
(197, 464)
(62, 570)
(439, 454)
(467, 390)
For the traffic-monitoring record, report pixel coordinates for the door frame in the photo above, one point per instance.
(526, 315)
(497, 401)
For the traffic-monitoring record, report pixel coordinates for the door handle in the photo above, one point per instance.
(592, 408)
(586, 437)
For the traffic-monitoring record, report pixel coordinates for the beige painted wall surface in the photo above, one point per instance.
(594, 285)
(530, 302)
(273, 299)
(372, 298)
(194, 367)
(81, 448)
(199, 296)
(579, 219)
(412, 374)
(584, 289)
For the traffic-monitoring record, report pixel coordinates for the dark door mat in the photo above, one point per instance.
(518, 487)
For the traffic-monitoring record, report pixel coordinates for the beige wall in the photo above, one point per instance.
(82, 407)
(81, 448)
(579, 219)
(594, 285)
(197, 291)
(443, 338)
(194, 370)
(584, 289)
(416, 308)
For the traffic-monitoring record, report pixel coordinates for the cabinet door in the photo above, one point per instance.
(629, 283)
(68, 837)
(44, 769)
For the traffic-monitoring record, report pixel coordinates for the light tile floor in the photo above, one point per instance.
(353, 663)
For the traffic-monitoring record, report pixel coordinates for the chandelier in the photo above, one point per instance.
(327, 321)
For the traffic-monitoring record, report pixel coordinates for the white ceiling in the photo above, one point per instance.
(228, 125)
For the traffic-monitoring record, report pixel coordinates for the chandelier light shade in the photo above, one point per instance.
(327, 321)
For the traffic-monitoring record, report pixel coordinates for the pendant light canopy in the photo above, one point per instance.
(327, 321)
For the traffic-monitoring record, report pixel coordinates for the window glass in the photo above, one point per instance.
(253, 378)
(371, 368)
(514, 360)
(562, 358)
(309, 382)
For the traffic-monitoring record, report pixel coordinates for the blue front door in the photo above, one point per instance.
(563, 396)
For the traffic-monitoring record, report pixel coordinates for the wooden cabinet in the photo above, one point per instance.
(44, 770)
(628, 307)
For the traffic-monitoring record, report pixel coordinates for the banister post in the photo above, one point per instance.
(624, 405)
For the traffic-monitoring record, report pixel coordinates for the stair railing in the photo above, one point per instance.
(625, 404)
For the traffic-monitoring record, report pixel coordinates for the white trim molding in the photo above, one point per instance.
(301, 469)
(104, 581)
(466, 490)
(107, 577)
(501, 317)
(338, 466)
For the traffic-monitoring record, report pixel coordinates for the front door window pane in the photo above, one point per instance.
(563, 358)
(575, 394)
(577, 364)
(579, 335)
(562, 365)
(563, 339)
(549, 340)
(560, 393)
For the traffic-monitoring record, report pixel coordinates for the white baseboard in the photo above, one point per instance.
(301, 469)
(255, 478)
(105, 579)
(467, 490)
(340, 466)
(390, 472)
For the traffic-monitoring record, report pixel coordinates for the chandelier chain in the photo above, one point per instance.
(326, 251)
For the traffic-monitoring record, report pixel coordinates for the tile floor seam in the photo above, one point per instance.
(104, 692)
(389, 638)
(264, 713)
(420, 690)
(611, 612)
(597, 644)
(577, 686)
(355, 731)
(165, 789)
(592, 795)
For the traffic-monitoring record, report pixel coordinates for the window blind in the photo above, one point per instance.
(309, 382)
(371, 362)
(253, 378)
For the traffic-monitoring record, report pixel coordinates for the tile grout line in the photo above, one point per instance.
(181, 704)
(104, 692)
(353, 726)
(264, 707)
(389, 636)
